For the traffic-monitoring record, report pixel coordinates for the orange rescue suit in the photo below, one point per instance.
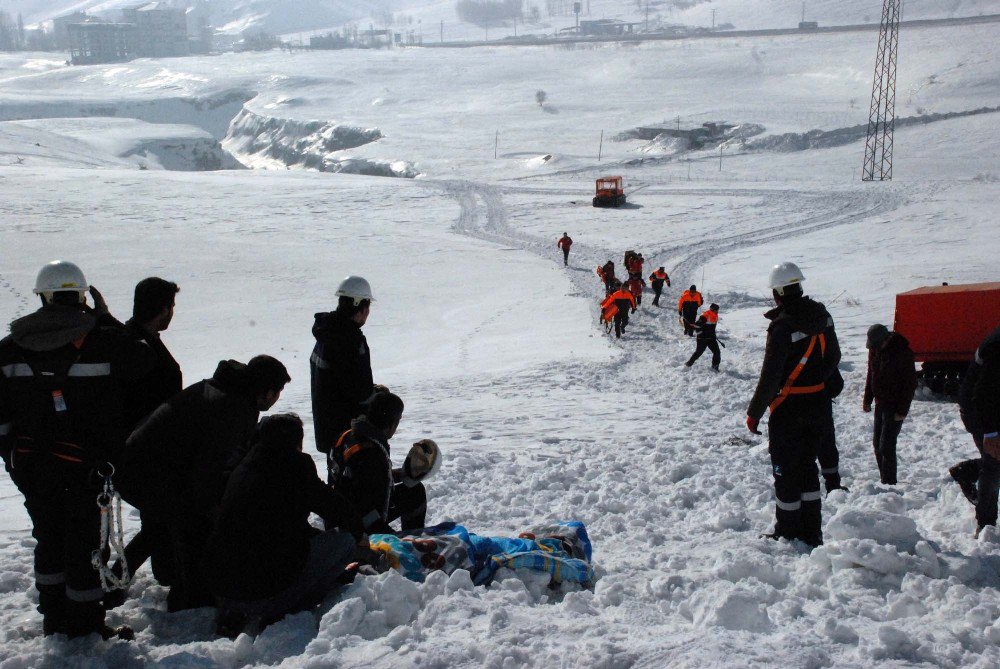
(688, 296)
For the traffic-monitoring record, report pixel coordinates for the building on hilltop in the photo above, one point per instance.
(161, 30)
(94, 41)
(60, 28)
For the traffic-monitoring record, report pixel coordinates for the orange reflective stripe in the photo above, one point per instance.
(806, 390)
(351, 451)
(789, 389)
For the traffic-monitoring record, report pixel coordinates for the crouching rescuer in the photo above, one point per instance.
(801, 353)
(362, 469)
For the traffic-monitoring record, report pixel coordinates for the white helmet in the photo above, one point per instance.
(423, 461)
(784, 275)
(60, 276)
(357, 288)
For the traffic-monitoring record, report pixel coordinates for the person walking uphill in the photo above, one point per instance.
(687, 308)
(175, 465)
(656, 281)
(264, 559)
(340, 366)
(707, 337)
(801, 353)
(564, 243)
(624, 303)
(891, 383)
(62, 425)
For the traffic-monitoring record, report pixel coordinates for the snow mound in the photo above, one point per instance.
(267, 141)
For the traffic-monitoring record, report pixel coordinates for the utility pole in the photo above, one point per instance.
(600, 147)
(713, 19)
(442, 31)
(720, 157)
(803, 11)
(678, 123)
(882, 114)
(496, 144)
(647, 16)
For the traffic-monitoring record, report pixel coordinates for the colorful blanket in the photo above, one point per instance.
(562, 549)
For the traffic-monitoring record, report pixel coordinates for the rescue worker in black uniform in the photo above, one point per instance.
(800, 355)
(364, 472)
(340, 366)
(687, 308)
(624, 302)
(175, 464)
(657, 279)
(979, 407)
(264, 559)
(61, 425)
(707, 337)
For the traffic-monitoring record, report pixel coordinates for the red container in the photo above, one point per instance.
(947, 323)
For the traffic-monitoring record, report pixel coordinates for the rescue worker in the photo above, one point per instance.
(366, 478)
(687, 308)
(979, 406)
(891, 383)
(564, 243)
(152, 312)
(607, 274)
(624, 303)
(340, 366)
(800, 355)
(175, 464)
(636, 285)
(61, 425)
(263, 558)
(707, 337)
(656, 281)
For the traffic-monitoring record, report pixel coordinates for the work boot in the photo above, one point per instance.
(114, 599)
(963, 475)
(123, 632)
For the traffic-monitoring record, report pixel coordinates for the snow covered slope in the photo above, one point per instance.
(494, 345)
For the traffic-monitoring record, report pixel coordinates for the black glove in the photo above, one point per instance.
(100, 305)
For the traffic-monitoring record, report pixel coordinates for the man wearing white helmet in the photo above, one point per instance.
(62, 426)
(340, 365)
(800, 356)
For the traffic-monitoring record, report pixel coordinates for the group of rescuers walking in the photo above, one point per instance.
(800, 378)
(225, 498)
(87, 402)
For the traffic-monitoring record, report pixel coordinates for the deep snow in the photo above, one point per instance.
(495, 349)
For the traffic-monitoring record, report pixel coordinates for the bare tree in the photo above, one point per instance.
(540, 97)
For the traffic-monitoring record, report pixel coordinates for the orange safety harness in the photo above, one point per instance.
(790, 388)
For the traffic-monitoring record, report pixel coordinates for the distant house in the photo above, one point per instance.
(60, 28)
(606, 27)
(161, 30)
(808, 25)
(94, 41)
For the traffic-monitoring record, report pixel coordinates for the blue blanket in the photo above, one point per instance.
(562, 549)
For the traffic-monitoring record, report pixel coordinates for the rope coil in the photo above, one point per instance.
(109, 501)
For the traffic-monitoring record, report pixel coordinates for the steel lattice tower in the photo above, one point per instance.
(882, 116)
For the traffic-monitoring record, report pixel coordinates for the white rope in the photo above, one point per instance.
(110, 504)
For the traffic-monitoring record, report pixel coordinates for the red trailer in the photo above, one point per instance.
(945, 325)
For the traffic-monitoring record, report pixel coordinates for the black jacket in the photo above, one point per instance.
(164, 381)
(177, 459)
(72, 410)
(979, 399)
(892, 377)
(341, 371)
(705, 329)
(793, 324)
(261, 540)
(366, 478)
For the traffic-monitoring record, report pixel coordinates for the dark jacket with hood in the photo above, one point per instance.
(162, 382)
(178, 458)
(892, 377)
(366, 477)
(261, 540)
(72, 410)
(979, 399)
(341, 372)
(793, 324)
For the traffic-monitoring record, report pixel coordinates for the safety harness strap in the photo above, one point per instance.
(790, 388)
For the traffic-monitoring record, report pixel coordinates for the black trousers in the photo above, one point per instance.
(689, 319)
(66, 523)
(829, 456)
(621, 320)
(409, 504)
(795, 431)
(151, 542)
(189, 534)
(985, 471)
(710, 344)
(884, 437)
(657, 291)
(565, 256)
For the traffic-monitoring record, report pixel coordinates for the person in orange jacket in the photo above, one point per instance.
(624, 302)
(564, 243)
(657, 279)
(636, 285)
(687, 309)
(707, 338)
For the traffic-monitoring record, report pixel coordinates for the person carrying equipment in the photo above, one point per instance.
(891, 383)
(340, 366)
(62, 428)
(564, 243)
(801, 353)
(607, 274)
(657, 279)
(636, 285)
(633, 263)
(687, 308)
(264, 559)
(624, 303)
(707, 338)
(364, 474)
